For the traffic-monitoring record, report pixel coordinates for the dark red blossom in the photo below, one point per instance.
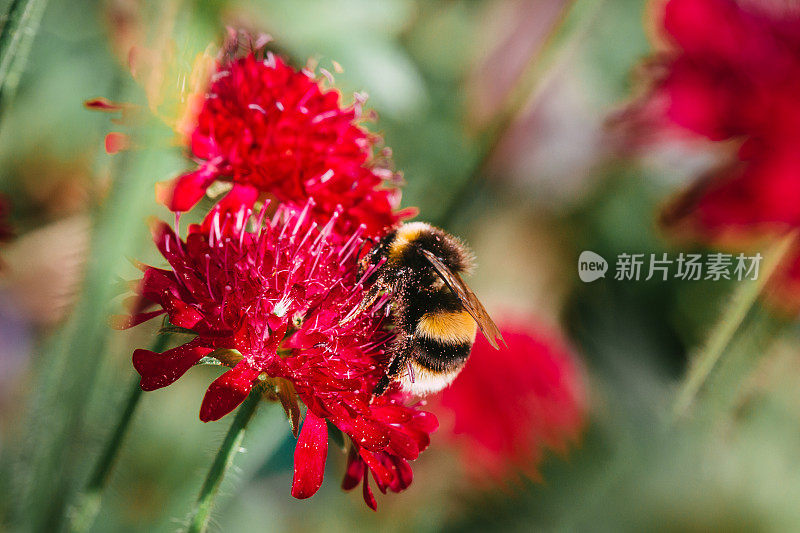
(269, 301)
(507, 406)
(732, 73)
(267, 127)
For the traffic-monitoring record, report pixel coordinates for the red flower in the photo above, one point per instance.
(268, 128)
(270, 303)
(732, 73)
(507, 406)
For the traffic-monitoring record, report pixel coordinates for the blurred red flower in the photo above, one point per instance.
(731, 72)
(508, 406)
(268, 128)
(269, 303)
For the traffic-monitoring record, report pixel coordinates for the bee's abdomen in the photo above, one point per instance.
(447, 326)
(443, 339)
(439, 357)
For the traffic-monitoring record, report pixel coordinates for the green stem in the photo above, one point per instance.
(222, 462)
(721, 337)
(87, 504)
(72, 358)
(538, 71)
(5, 18)
(18, 32)
(726, 390)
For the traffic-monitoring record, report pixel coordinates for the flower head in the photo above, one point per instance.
(270, 302)
(508, 406)
(732, 73)
(269, 128)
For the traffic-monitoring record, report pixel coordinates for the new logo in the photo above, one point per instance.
(591, 266)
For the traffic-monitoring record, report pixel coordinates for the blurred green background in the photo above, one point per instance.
(496, 113)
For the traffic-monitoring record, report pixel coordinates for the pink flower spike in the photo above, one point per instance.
(309, 457)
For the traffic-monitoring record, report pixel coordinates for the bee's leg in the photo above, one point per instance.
(361, 249)
(369, 298)
(382, 385)
(401, 347)
(372, 295)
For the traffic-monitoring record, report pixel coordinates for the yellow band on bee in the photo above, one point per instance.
(448, 327)
(406, 234)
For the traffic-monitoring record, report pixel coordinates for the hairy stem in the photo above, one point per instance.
(16, 38)
(723, 334)
(222, 462)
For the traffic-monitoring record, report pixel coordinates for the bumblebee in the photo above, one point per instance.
(434, 312)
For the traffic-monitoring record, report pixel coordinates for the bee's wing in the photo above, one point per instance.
(468, 300)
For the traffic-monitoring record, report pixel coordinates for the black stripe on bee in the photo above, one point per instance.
(438, 357)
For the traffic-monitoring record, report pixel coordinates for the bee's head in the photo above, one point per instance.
(378, 250)
(371, 257)
(450, 250)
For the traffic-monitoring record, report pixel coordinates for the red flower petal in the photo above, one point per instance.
(695, 25)
(181, 314)
(369, 498)
(369, 433)
(103, 104)
(383, 474)
(161, 369)
(227, 392)
(698, 101)
(231, 205)
(403, 445)
(425, 421)
(182, 193)
(355, 471)
(404, 473)
(309, 457)
(116, 142)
